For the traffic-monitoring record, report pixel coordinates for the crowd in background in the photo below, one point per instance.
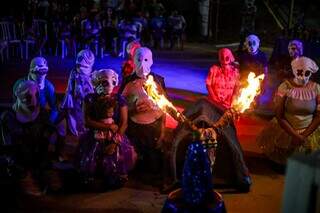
(105, 27)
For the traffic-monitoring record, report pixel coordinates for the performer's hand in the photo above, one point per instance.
(110, 149)
(235, 115)
(113, 128)
(118, 138)
(143, 105)
(208, 133)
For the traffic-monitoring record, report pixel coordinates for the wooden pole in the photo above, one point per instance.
(291, 14)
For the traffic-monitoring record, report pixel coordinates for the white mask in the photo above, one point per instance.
(303, 68)
(225, 57)
(85, 60)
(104, 81)
(143, 62)
(27, 105)
(38, 71)
(295, 48)
(252, 44)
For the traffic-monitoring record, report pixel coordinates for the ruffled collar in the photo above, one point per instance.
(304, 93)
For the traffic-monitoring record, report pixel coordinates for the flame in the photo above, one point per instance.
(160, 100)
(248, 93)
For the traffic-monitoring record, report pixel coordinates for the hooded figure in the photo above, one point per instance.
(37, 72)
(26, 105)
(27, 131)
(296, 127)
(79, 85)
(196, 194)
(223, 80)
(280, 62)
(295, 49)
(146, 121)
(253, 60)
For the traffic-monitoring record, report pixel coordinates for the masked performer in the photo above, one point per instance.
(296, 127)
(281, 63)
(196, 194)
(222, 84)
(79, 85)
(37, 72)
(254, 60)
(29, 137)
(146, 121)
(105, 151)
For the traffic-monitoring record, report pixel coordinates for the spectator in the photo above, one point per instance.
(128, 31)
(158, 28)
(91, 29)
(176, 25)
(109, 25)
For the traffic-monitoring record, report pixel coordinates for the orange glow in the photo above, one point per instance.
(247, 94)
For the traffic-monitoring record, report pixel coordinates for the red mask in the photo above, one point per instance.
(225, 56)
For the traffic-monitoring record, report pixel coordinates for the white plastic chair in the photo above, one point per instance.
(39, 27)
(9, 35)
(4, 48)
(95, 43)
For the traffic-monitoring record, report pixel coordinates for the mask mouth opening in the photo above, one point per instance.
(84, 66)
(40, 72)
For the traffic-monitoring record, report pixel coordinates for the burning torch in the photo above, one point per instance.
(208, 136)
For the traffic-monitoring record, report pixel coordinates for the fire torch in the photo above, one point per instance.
(208, 136)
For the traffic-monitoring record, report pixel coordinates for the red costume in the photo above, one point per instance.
(223, 80)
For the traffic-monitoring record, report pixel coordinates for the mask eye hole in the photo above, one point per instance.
(145, 59)
(227, 58)
(114, 83)
(105, 83)
(27, 98)
(307, 73)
